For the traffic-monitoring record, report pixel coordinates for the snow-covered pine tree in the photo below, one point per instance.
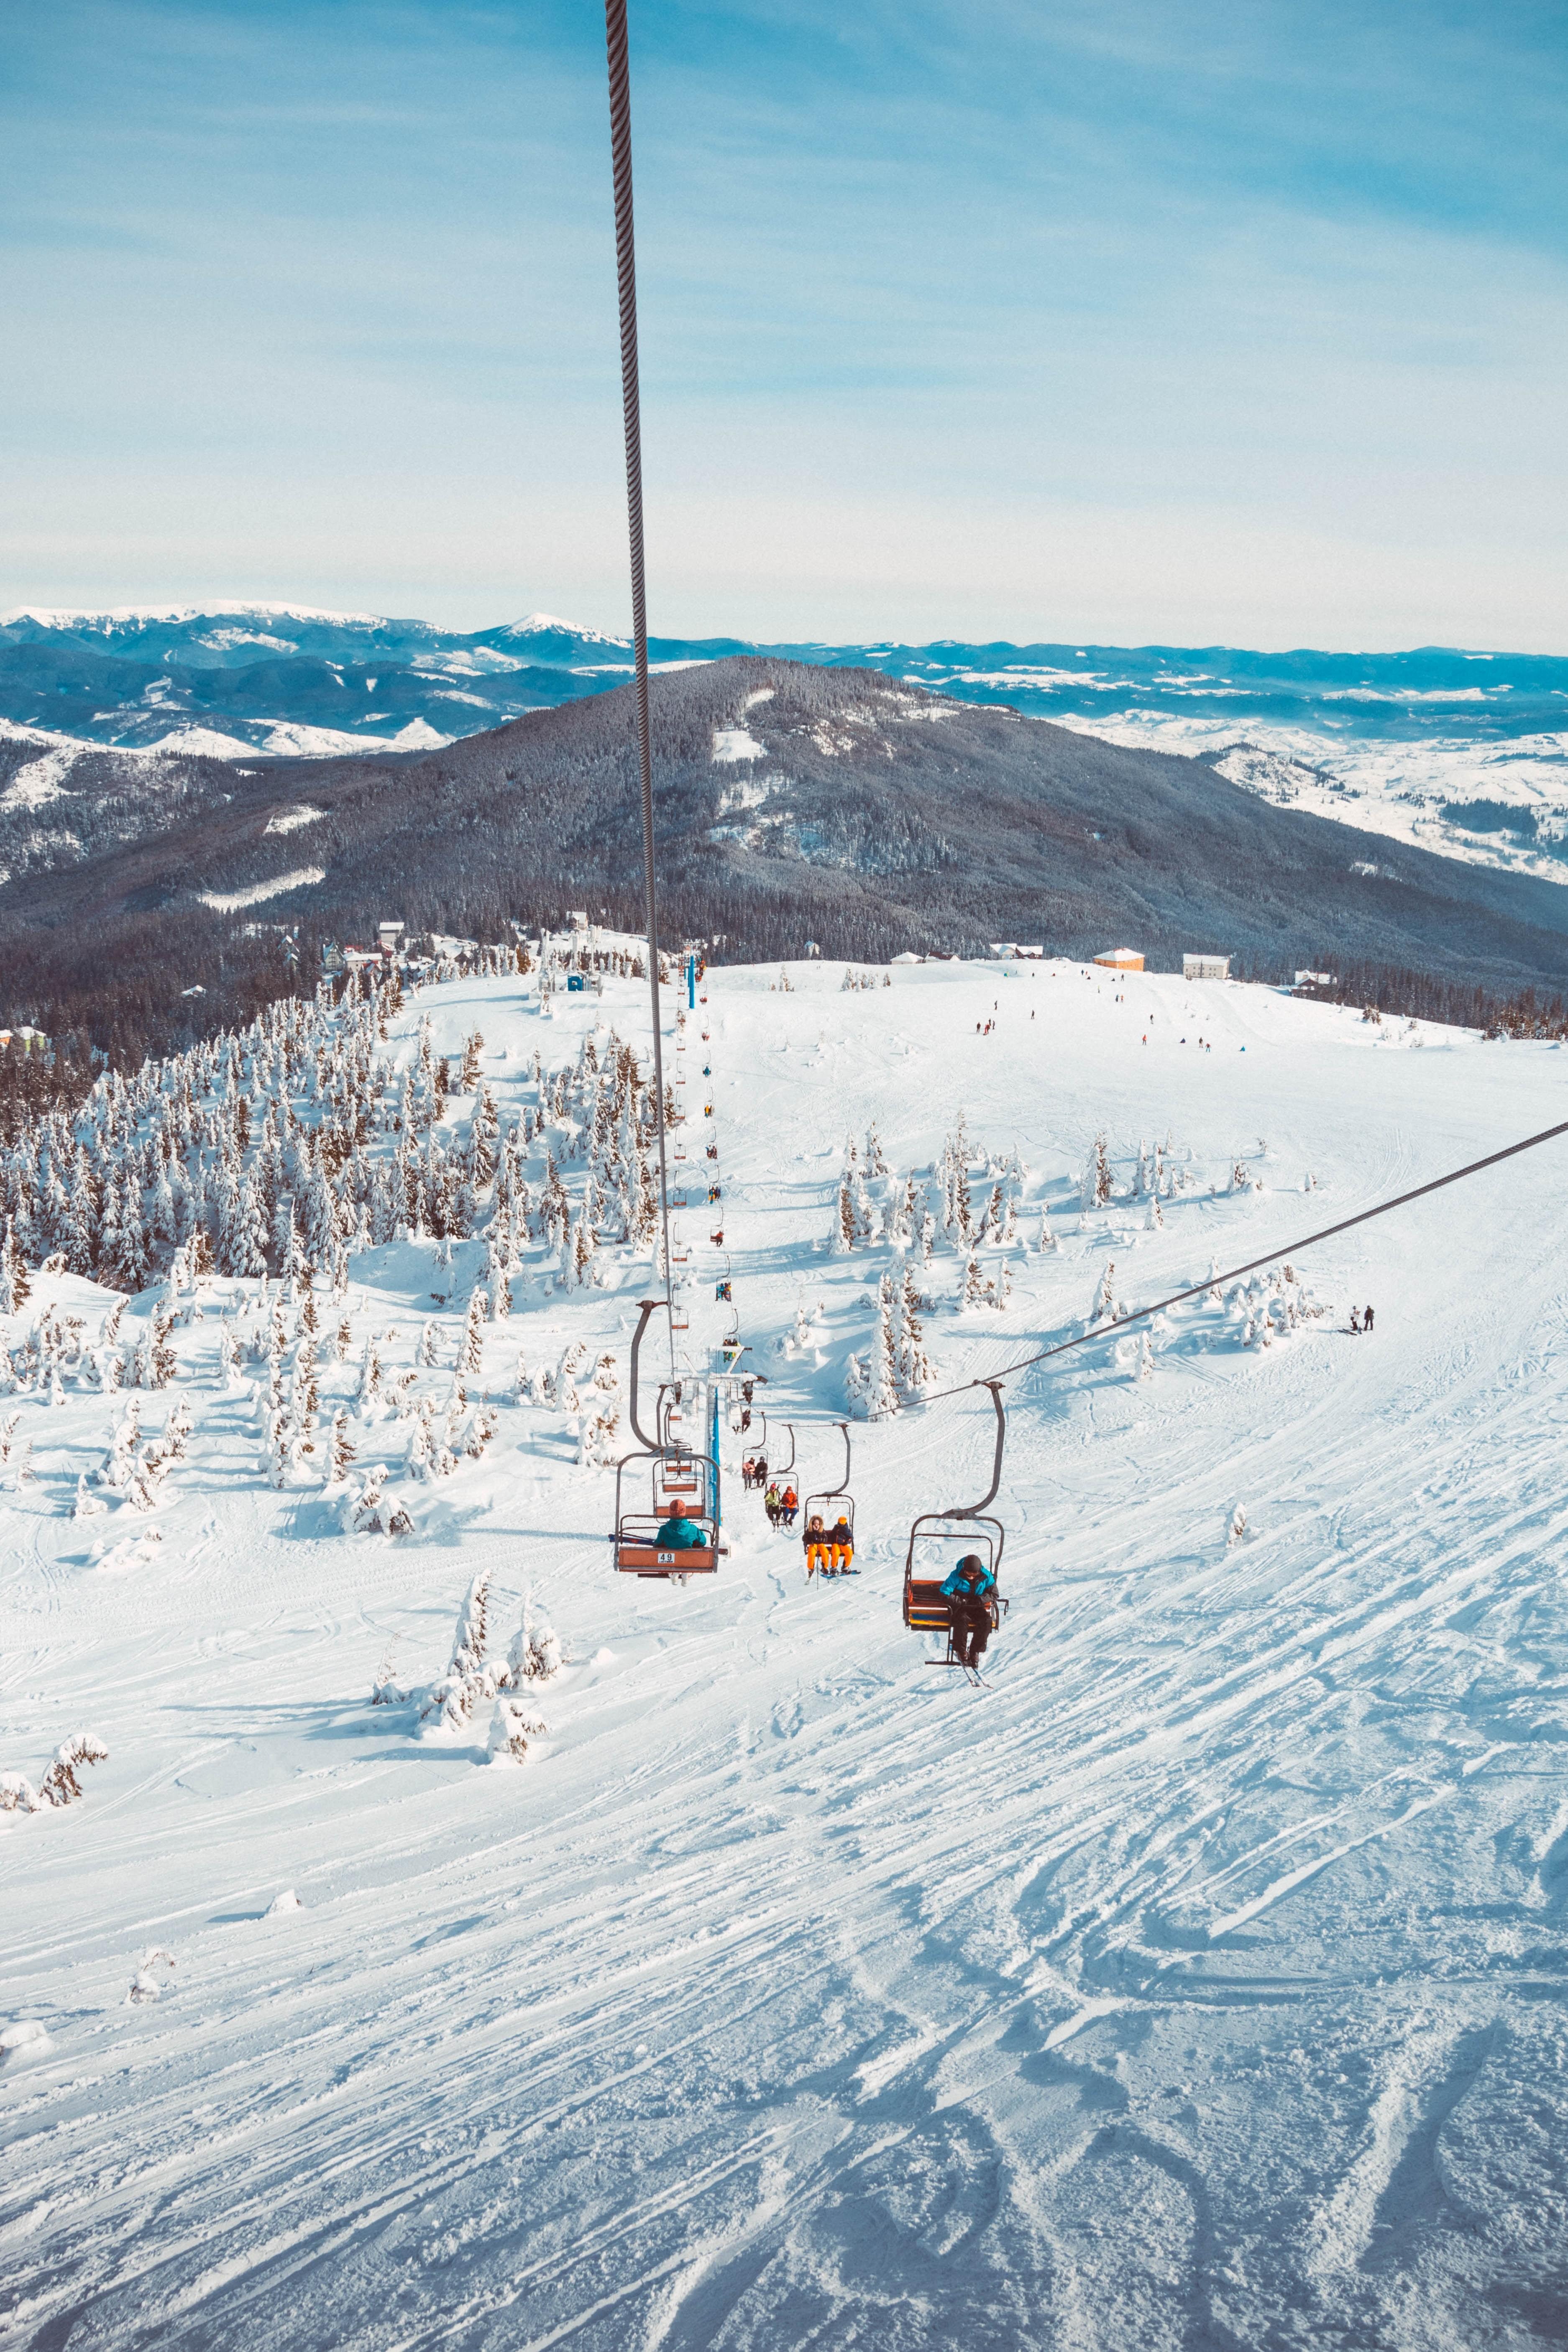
(1103, 1186)
(842, 1240)
(286, 1253)
(881, 1388)
(427, 1344)
(535, 1653)
(15, 1283)
(915, 1371)
(306, 1399)
(467, 1679)
(280, 1447)
(1146, 1355)
(472, 1358)
(124, 1258)
(962, 1213)
(126, 1436)
(900, 1229)
(512, 1730)
(973, 1291)
(340, 1452)
(865, 1214)
(59, 1784)
(599, 1424)
(86, 1505)
(1104, 1307)
(162, 1364)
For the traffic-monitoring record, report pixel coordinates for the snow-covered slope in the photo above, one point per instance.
(1198, 1982)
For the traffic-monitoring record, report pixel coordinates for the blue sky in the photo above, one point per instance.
(1159, 322)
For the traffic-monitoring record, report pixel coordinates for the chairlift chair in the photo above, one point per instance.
(684, 1486)
(758, 1435)
(817, 1507)
(940, 1539)
(682, 1483)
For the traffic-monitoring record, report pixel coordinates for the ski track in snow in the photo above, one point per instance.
(1199, 1982)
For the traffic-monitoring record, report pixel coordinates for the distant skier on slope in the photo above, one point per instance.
(1366, 1320)
(967, 1592)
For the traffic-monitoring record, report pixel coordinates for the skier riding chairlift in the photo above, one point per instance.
(967, 1592)
(965, 1604)
(830, 1547)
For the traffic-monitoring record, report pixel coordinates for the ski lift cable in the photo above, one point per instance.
(625, 272)
(1232, 1273)
(1285, 1249)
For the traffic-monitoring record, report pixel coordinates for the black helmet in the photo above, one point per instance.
(972, 1563)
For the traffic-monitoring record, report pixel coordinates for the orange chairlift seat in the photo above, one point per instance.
(940, 1539)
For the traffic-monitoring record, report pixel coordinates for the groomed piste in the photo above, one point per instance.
(462, 1944)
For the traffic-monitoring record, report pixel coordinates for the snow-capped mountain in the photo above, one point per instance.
(795, 803)
(1464, 752)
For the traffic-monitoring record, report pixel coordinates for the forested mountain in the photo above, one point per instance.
(795, 803)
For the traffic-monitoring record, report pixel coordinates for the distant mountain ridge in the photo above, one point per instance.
(1465, 753)
(794, 802)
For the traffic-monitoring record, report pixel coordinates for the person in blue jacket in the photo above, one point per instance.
(967, 1592)
(679, 1534)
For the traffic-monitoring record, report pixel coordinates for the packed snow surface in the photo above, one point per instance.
(228, 902)
(1197, 1982)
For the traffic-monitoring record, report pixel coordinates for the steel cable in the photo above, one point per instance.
(626, 274)
(1211, 1282)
